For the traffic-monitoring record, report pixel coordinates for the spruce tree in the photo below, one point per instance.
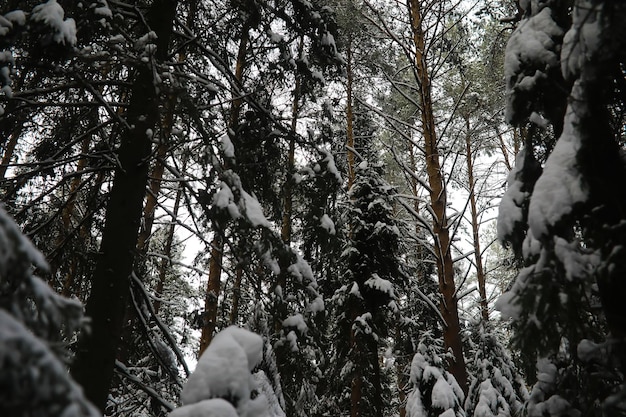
(562, 212)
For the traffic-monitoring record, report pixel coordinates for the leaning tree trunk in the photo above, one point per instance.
(438, 200)
(97, 349)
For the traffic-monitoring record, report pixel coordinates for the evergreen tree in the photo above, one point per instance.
(36, 326)
(497, 388)
(433, 390)
(366, 303)
(562, 212)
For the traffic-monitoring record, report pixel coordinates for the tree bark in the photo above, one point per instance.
(438, 200)
(97, 349)
(167, 253)
(217, 245)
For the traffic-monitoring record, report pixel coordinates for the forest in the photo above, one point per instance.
(313, 208)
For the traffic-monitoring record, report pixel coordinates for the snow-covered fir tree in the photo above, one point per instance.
(433, 390)
(365, 304)
(36, 325)
(497, 389)
(563, 210)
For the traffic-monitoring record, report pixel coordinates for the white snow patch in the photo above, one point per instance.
(52, 14)
(442, 395)
(254, 212)
(583, 40)
(215, 407)
(296, 321)
(327, 224)
(317, 305)
(223, 371)
(531, 46)
(560, 186)
(17, 17)
(224, 199)
(510, 209)
(227, 146)
(380, 284)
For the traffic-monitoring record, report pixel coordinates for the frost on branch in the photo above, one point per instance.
(222, 384)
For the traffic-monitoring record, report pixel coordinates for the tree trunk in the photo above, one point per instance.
(234, 312)
(167, 253)
(217, 246)
(349, 114)
(285, 231)
(9, 151)
(209, 318)
(97, 349)
(438, 200)
(480, 274)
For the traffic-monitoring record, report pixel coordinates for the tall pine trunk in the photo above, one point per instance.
(478, 259)
(438, 200)
(217, 246)
(95, 357)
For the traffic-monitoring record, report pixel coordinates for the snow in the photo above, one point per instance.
(275, 37)
(224, 371)
(215, 407)
(317, 305)
(354, 290)
(530, 53)
(583, 40)
(227, 146)
(292, 338)
(14, 245)
(331, 167)
(301, 270)
(327, 224)
(224, 199)
(442, 395)
(539, 120)
(43, 385)
(380, 284)
(560, 186)
(5, 26)
(510, 211)
(270, 262)
(17, 17)
(588, 351)
(361, 324)
(265, 388)
(103, 10)
(141, 42)
(296, 321)
(52, 14)
(254, 212)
